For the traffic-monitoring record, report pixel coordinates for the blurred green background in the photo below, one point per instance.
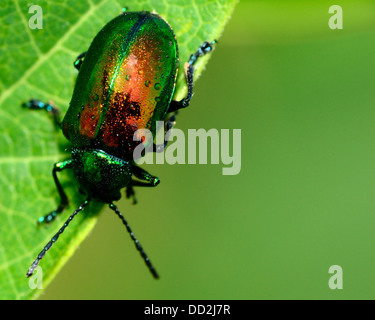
(303, 95)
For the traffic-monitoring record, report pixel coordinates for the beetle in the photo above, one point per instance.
(126, 82)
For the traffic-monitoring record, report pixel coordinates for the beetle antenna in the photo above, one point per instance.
(54, 239)
(136, 242)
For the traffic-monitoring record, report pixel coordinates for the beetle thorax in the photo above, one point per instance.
(100, 174)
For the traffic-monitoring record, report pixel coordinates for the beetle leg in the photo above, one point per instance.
(148, 181)
(130, 193)
(169, 124)
(48, 106)
(205, 48)
(79, 60)
(141, 174)
(60, 166)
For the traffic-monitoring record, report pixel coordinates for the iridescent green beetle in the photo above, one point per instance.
(126, 82)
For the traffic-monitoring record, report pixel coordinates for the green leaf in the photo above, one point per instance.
(38, 64)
